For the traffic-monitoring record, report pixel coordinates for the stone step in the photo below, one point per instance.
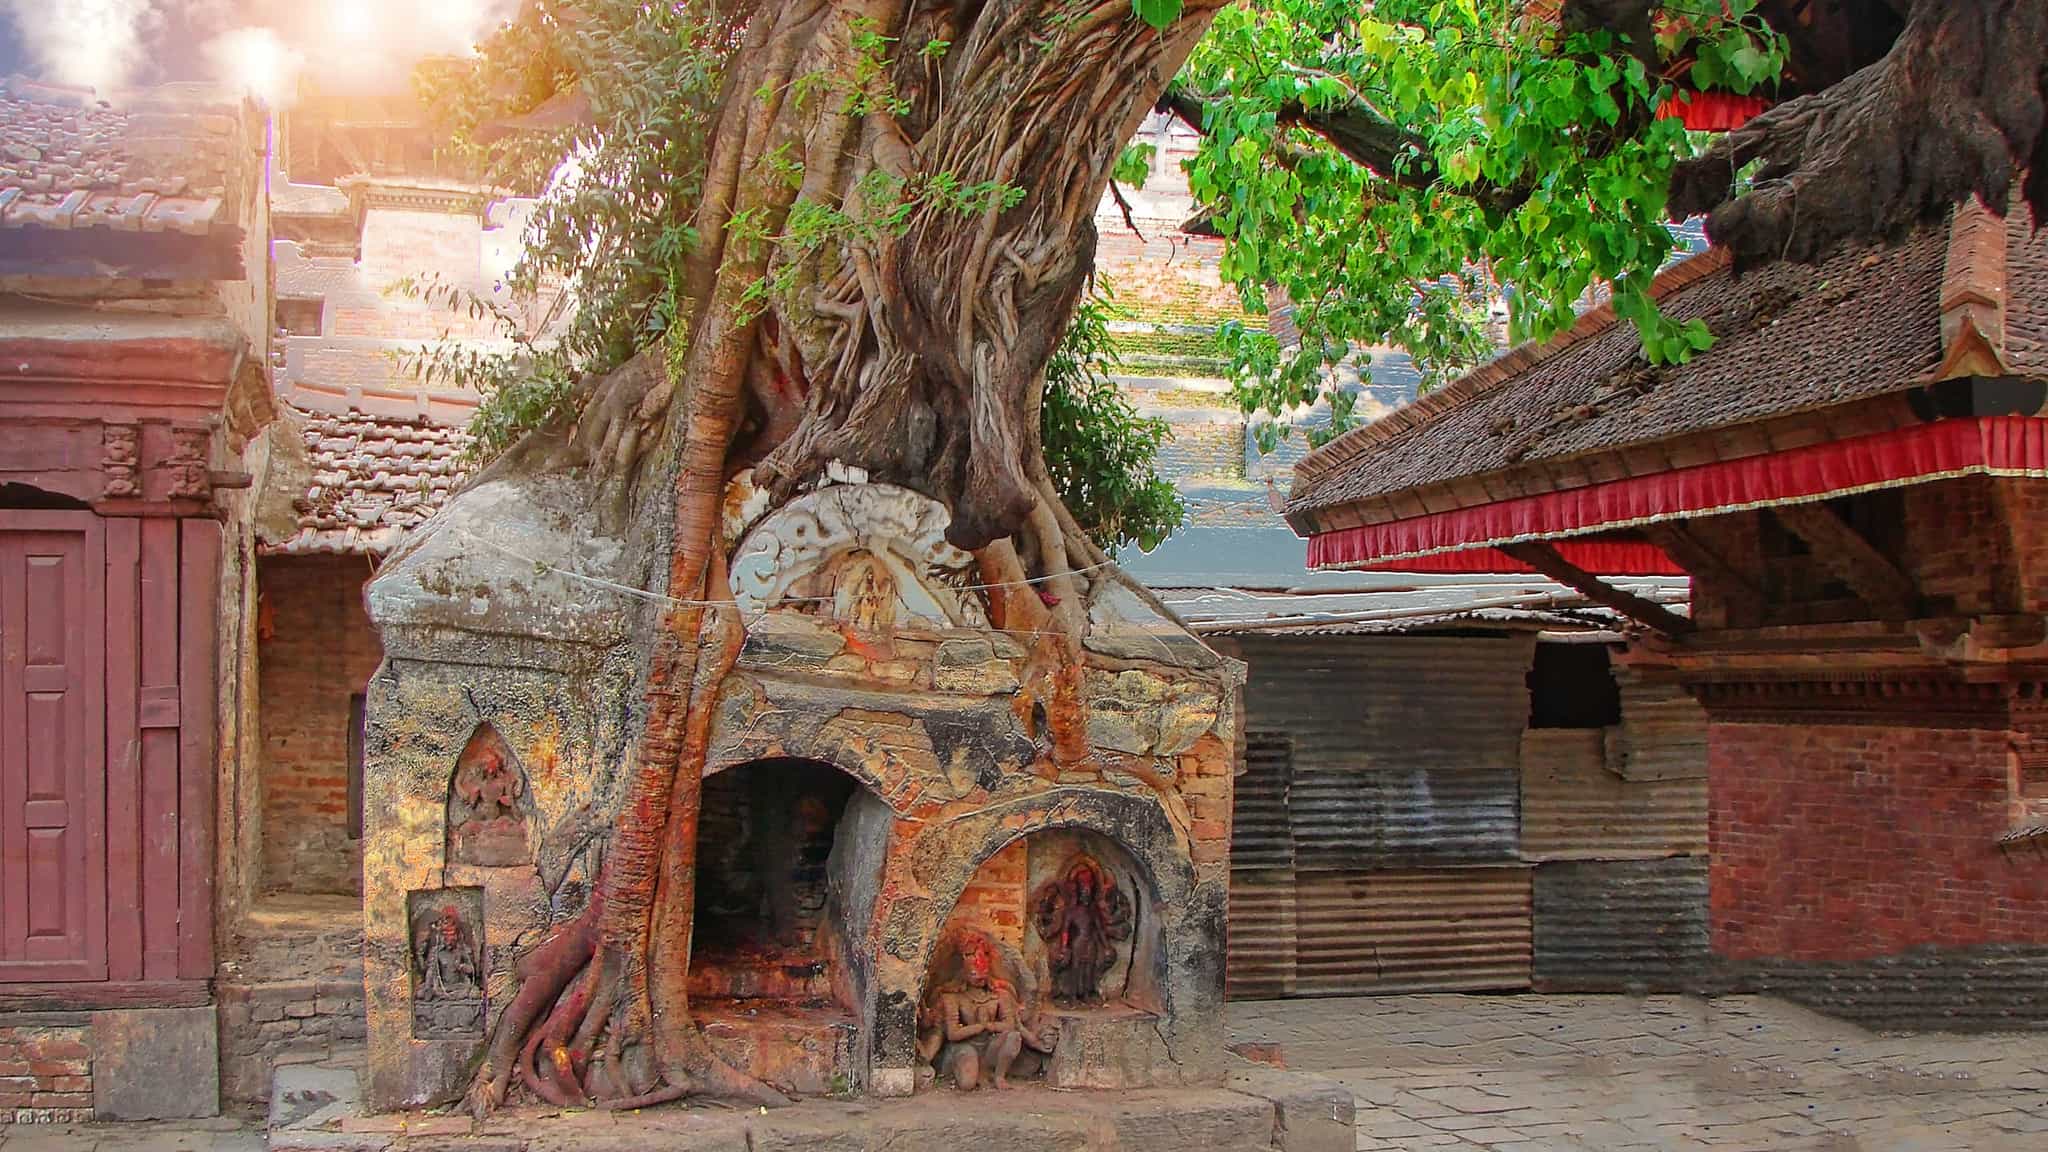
(808, 1051)
(312, 1106)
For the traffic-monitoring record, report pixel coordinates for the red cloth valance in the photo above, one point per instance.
(1981, 446)
(1712, 111)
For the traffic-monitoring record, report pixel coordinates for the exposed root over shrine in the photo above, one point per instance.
(914, 350)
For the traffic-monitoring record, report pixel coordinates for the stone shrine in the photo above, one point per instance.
(897, 883)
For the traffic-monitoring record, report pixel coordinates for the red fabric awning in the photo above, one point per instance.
(1712, 111)
(1986, 446)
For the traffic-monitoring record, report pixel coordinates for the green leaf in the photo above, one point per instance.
(1159, 14)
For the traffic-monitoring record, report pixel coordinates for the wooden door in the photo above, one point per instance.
(53, 890)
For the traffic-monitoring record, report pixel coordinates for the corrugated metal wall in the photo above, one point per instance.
(1260, 964)
(1663, 733)
(1392, 794)
(1367, 789)
(1424, 930)
(1621, 925)
(1575, 808)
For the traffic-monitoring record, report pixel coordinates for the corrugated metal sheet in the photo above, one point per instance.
(1262, 935)
(1435, 930)
(1663, 733)
(1609, 926)
(1406, 749)
(1259, 836)
(1574, 808)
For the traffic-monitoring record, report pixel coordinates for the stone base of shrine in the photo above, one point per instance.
(1261, 1110)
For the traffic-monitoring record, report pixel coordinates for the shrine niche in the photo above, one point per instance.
(872, 557)
(1082, 917)
(487, 804)
(447, 956)
(976, 1024)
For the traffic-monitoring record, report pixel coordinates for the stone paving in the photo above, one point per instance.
(1614, 1074)
(1558, 1074)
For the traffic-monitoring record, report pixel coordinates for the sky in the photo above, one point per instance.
(113, 44)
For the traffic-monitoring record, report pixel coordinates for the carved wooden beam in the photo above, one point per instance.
(1740, 591)
(1543, 558)
(1872, 575)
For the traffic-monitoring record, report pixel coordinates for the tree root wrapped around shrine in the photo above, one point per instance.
(958, 153)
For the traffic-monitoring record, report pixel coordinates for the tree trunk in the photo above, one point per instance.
(1955, 108)
(913, 347)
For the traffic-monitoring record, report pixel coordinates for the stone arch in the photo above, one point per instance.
(945, 857)
(893, 536)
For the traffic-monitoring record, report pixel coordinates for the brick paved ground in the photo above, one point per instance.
(1612, 1074)
(1562, 1074)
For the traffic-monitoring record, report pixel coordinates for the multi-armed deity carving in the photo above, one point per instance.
(973, 1026)
(486, 825)
(1082, 916)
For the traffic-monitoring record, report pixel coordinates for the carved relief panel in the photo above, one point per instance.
(487, 804)
(446, 952)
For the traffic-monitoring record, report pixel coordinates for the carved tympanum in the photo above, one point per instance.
(873, 556)
(973, 1027)
(1082, 916)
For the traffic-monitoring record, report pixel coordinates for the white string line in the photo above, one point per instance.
(661, 598)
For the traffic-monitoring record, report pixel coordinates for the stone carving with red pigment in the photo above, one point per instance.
(1082, 916)
(448, 989)
(487, 827)
(975, 1029)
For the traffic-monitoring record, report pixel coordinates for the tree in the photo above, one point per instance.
(1382, 170)
(871, 221)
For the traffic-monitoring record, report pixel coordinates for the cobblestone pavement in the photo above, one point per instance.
(1558, 1074)
(1614, 1074)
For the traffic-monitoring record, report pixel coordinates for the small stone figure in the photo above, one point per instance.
(1082, 917)
(447, 960)
(974, 1029)
(488, 827)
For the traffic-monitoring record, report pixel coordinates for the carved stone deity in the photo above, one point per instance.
(486, 825)
(1082, 916)
(447, 959)
(975, 1028)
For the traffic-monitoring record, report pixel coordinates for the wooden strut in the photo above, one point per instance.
(1868, 573)
(1544, 559)
(1739, 590)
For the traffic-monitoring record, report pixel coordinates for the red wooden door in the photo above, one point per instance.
(53, 889)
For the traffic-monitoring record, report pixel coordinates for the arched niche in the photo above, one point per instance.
(871, 556)
(1177, 977)
(789, 872)
(490, 804)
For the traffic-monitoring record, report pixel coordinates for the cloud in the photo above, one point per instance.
(96, 43)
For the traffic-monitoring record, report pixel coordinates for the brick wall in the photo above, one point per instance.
(993, 901)
(1958, 547)
(1848, 842)
(45, 1072)
(316, 649)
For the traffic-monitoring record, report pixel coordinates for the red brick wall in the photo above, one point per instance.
(316, 650)
(1844, 842)
(993, 902)
(45, 1067)
(1957, 545)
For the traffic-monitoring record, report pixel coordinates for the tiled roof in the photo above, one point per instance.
(163, 162)
(373, 478)
(1790, 338)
